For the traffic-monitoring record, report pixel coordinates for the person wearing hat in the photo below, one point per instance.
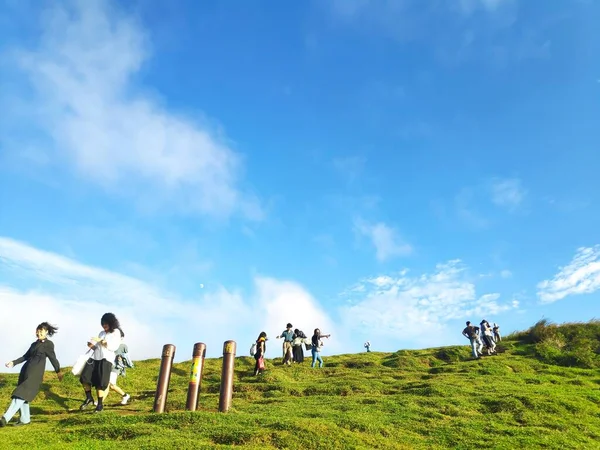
(288, 338)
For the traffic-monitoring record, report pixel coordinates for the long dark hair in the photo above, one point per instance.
(113, 323)
(51, 329)
(262, 335)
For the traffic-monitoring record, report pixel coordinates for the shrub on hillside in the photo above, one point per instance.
(571, 344)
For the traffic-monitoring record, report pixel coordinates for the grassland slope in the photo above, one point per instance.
(541, 391)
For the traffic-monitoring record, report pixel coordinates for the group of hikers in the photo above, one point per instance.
(107, 358)
(482, 336)
(294, 343)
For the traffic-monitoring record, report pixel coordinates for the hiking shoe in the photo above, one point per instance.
(86, 403)
(21, 424)
(125, 399)
(2, 422)
(99, 408)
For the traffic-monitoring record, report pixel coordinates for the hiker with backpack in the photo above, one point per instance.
(96, 372)
(120, 366)
(259, 353)
(472, 333)
(32, 374)
(297, 350)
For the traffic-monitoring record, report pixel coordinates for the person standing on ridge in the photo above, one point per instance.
(317, 343)
(472, 333)
(497, 336)
(259, 355)
(32, 374)
(288, 338)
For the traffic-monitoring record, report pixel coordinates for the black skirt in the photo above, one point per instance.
(96, 374)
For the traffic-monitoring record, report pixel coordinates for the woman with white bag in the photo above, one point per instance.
(97, 370)
(32, 374)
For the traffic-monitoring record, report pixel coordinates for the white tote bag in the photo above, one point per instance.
(80, 363)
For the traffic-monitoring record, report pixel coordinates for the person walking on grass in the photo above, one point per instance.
(488, 337)
(120, 366)
(259, 355)
(317, 343)
(288, 338)
(297, 349)
(97, 371)
(496, 330)
(472, 333)
(32, 374)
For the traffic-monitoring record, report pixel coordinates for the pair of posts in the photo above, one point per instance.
(198, 355)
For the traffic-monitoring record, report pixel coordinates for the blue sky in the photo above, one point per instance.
(383, 170)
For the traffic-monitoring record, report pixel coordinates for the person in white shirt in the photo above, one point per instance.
(97, 371)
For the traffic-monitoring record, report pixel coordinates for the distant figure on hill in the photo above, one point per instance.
(317, 343)
(496, 330)
(297, 350)
(32, 374)
(488, 337)
(288, 339)
(368, 346)
(259, 355)
(472, 333)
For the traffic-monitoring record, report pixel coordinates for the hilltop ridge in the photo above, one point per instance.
(541, 390)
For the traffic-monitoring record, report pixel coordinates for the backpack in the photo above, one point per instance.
(253, 349)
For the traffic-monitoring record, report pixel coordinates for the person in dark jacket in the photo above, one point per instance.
(261, 348)
(32, 374)
(297, 349)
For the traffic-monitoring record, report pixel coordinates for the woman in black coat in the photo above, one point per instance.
(32, 373)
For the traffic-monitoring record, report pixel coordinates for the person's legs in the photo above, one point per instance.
(474, 348)
(314, 357)
(15, 405)
(319, 359)
(25, 414)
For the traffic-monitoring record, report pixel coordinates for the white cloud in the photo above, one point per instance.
(36, 286)
(506, 273)
(580, 276)
(507, 193)
(411, 308)
(385, 239)
(280, 302)
(112, 133)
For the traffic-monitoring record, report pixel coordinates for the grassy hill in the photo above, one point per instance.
(542, 391)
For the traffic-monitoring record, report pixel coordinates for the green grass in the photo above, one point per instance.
(434, 398)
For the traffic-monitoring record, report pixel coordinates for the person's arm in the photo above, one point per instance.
(18, 361)
(112, 341)
(51, 354)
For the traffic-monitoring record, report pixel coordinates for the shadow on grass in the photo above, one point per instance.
(59, 400)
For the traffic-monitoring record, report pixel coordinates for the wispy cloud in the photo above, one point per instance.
(415, 308)
(507, 193)
(386, 240)
(485, 30)
(580, 276)
(506, 273)
(37, 285)
(96, 119)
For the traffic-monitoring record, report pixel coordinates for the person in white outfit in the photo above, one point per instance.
(97, 371)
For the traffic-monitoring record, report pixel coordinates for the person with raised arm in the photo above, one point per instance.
(32, 374)
(317, 343)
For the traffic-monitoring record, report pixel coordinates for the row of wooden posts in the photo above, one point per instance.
(198, 355)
